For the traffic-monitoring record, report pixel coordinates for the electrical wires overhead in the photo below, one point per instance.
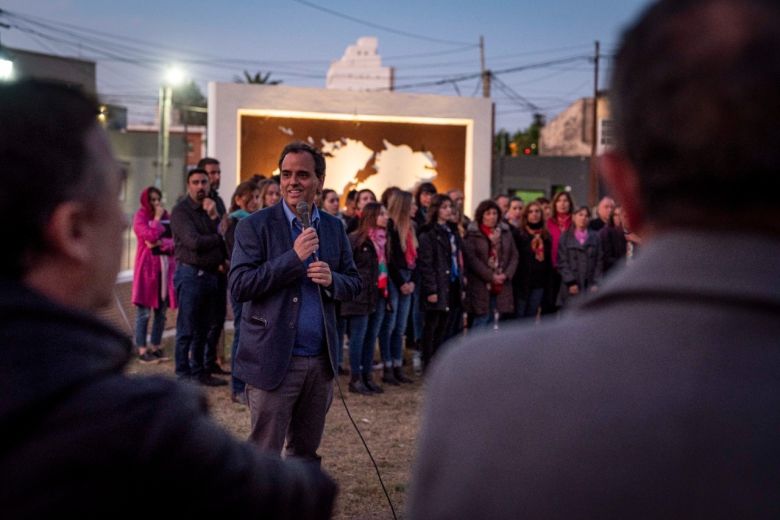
(129, 68)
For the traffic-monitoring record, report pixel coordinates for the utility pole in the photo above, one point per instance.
(594, 183)
(485, 72)
(164, 137)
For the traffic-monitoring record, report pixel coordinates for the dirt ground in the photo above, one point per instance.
(388, 422)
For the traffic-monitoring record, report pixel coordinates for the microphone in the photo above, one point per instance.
(303, 214)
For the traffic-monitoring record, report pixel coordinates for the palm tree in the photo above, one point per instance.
(257, 79)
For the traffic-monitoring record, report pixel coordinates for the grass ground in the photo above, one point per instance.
(389, 423)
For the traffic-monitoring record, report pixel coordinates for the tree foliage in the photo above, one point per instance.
(258, 78)
(522, 142)
(187, 97)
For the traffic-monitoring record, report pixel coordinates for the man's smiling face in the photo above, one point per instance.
(298, 180)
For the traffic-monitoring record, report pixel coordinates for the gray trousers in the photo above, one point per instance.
(295, 411)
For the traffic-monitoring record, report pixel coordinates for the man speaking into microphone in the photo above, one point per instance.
(290, 265)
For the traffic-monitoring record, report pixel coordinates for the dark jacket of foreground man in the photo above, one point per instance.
(79, 437)
(659, 398)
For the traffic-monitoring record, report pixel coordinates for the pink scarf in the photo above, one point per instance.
(379, 237)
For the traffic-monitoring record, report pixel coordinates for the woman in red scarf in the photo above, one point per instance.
(152, 273)
(401, 264)
(534, 269)
(491, 259)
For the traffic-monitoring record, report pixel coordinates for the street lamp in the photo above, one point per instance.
(6, 63)
(174, 76)
(6, 69)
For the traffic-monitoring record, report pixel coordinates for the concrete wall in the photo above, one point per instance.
(542, 173)
(29, 64)
(226, 100)
(137, 153)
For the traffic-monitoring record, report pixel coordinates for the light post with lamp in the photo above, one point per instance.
(174, 77)
(6, 64)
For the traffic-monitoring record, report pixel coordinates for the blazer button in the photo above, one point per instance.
(447, 271)
(292, 324)
(447, 309)
(295, 300)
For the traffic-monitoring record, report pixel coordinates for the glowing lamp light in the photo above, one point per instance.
(6, 69)
(175, 76)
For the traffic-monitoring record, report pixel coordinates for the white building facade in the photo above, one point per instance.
(360, 69)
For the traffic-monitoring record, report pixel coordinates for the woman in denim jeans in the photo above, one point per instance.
(245, 201)
(401, 264)
(152, 273)
(367, 310)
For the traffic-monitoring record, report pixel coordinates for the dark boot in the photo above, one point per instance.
(371, 385)
(398, 372)
(389, 377)
(356, 386)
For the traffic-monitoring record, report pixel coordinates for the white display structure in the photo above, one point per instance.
(229, 103)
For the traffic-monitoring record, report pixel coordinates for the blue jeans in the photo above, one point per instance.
(391, 333)
(142, 324)
(236, 384)
(363, 331)
(484, 321)
(195, 292)
(527, 308)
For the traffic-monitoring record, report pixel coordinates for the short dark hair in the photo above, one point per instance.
(694, 105)
(43, 150)
(352, 195)
(206, 161)
(483, 207)
(299, 147)
(196, 171)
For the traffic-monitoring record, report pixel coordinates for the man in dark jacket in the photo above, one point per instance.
(200, 263)
(658, 398)
(79, 437)
(289, 269)
(212, 354)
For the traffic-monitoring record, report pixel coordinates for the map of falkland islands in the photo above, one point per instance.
(393, 165)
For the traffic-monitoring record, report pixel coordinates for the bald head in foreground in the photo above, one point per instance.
(660, 396)
(79, 437)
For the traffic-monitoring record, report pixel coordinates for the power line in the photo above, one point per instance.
(494, 73)
(514, 96)
(380, 27)
(429, 54)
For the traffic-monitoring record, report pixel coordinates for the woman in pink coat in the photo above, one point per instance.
(153, 273)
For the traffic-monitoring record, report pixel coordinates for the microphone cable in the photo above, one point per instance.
(303, 212)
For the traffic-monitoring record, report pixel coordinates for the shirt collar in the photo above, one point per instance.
(293, 220)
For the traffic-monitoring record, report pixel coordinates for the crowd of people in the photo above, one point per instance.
(655, 398)
(428, 271)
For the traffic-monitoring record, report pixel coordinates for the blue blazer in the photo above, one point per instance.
(266, 275)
